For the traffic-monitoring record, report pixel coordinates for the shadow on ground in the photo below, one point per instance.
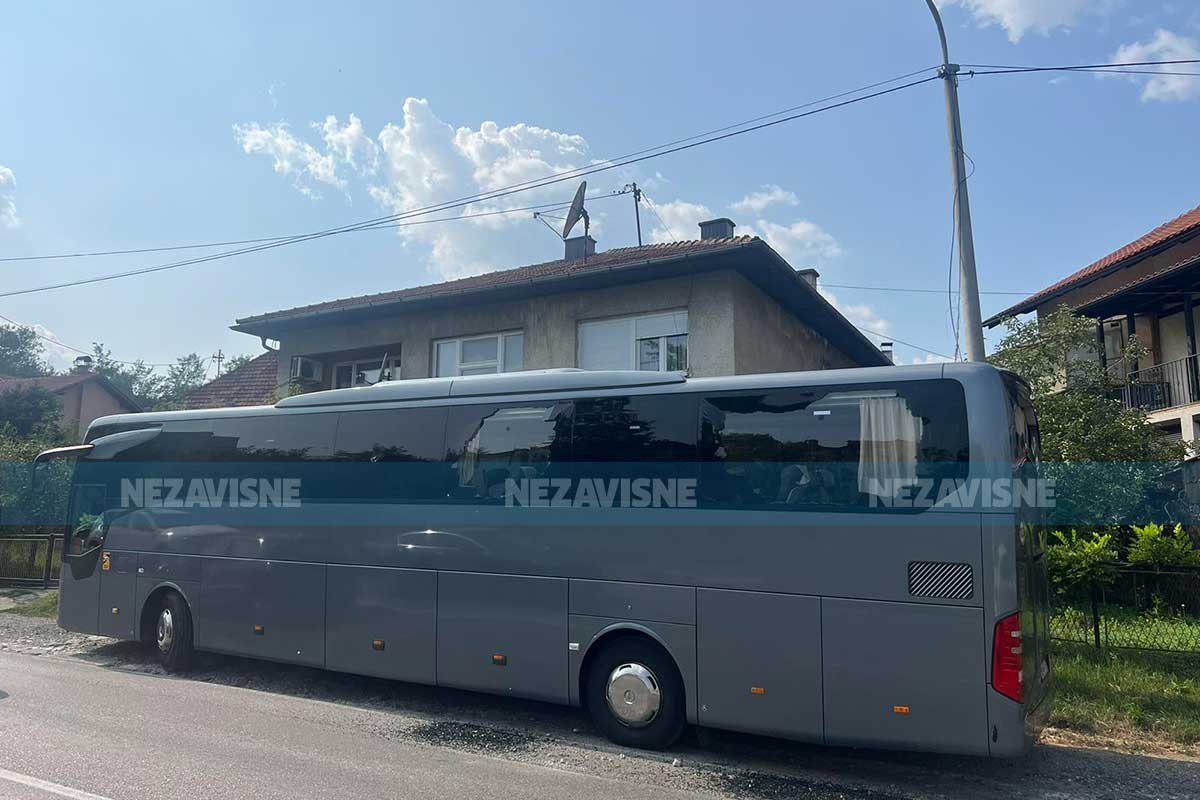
(740, 765)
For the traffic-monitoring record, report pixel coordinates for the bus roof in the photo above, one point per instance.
(568, 380)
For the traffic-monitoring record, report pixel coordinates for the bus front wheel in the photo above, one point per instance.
(173, 634)
(635, 695)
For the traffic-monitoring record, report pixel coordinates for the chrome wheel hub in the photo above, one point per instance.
(633, 695)
(166, 631)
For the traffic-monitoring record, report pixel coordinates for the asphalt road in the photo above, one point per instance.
(92, 719)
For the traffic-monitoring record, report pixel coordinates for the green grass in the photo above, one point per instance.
(1121, 627)
(1154, 694)
(45, 605)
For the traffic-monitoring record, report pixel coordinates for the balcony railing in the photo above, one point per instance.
(1175, 383)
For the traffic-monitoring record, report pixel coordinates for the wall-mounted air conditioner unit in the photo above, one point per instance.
(305, 369)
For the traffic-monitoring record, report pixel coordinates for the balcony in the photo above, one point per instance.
(1168, 385)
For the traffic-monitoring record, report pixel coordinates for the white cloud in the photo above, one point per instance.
(8, 198)
(294, 159)
(1019, 17)
(802, 243)
(930, 358)
(421, 160)
(861, 316)
(1164, 46)
(769, 195)
(678, 221)
(59, 357)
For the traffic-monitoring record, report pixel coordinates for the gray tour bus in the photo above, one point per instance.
(804, 555)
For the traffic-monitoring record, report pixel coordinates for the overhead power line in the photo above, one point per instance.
(1113, 67)
(62, 344)
(524, 186)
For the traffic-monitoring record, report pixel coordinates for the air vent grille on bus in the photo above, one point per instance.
(941, 579)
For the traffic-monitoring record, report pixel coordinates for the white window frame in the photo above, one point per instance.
(498, 363)
(634, 361)
(393, 364)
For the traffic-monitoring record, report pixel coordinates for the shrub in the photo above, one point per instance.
(1075, 562)
(1155, 546)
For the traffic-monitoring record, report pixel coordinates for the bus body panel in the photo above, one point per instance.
(904, 675)
(266, 609)
(644, 602)
(118, 593)
(503, 633)
(815, 607)
(397, 607)
(759, 663)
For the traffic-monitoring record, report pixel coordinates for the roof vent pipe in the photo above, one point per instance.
(887, 349)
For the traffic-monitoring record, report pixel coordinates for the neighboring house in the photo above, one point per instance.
(720, 305)
(254, 383)
(1147, 288)
(84, 395)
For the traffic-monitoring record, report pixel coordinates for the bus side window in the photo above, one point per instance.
(491, 445)
(390, 455)
(636, 437)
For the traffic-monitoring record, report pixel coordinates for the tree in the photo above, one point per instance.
(139, 380)
(21, 353)
(237, 362)
(30, 412)
(1106, 458)
(184, 376)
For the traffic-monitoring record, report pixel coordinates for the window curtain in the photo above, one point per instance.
(889, 435)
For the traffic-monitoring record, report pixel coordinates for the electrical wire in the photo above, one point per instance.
(891, 338)
(1005, 69)
(654, 210)
(493, 195)
(52, 340)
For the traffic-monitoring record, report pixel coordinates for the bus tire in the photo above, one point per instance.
(635, 695)
(172, 640)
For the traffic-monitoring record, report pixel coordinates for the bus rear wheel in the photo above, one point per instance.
(173, 634)
(635, 695)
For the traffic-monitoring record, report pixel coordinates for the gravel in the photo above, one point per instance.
(708, 762)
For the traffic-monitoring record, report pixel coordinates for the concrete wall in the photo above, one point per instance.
(768, 338)
(734, 328)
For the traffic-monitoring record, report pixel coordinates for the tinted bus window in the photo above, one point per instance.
(839, 447)
(280, 437)
(392, 455)
(489, 445)
(656, 428)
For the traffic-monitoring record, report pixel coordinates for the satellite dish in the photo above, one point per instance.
(577, 211)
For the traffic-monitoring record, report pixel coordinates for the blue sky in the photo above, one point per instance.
(166, 123)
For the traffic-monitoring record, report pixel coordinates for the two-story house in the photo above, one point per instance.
(718, 305)
(1147, 287)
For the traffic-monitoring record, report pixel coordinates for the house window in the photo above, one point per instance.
(479, 355)
(653, 342)
(365, 371)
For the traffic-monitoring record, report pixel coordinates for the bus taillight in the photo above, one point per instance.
(1006, 659)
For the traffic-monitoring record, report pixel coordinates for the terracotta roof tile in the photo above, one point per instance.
(1184, 223)
(252, 384)
(602, 261)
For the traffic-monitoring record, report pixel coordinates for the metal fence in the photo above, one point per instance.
(1138, 609)
(30, 560)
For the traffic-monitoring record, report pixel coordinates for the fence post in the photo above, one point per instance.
(1096, 614)
(49, 560)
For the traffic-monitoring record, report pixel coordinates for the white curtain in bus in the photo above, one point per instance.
(889, 435)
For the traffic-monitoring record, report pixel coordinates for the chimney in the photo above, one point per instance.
(719, 228)
(809, 275)
(580, 247)
(886, 349)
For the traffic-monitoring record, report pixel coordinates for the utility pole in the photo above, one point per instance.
(218, 357)
(637, 212)
(968, 282)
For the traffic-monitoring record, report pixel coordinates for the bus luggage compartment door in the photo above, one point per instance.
(264, 609)
(503, 633)
(760, 662)
(905, 675)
